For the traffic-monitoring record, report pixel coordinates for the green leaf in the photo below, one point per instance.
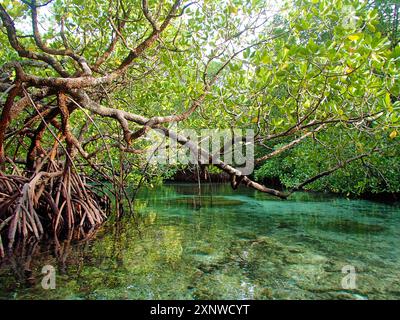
(233, 10)
(393, 134)
(371, 27)
(265, 58)
(388, 102)
(354, 37)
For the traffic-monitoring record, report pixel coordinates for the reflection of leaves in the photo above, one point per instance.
(172, 244)
(151, 217)
(388, 102)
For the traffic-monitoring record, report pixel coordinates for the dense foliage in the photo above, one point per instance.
(337, 57)
(375, 83)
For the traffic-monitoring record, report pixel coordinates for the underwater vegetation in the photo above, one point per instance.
(232, 246)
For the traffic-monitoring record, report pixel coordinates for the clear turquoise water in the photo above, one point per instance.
(222, 244)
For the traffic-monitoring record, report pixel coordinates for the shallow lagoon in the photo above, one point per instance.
(222, 244)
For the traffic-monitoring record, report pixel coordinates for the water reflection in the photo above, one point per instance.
(223, 244)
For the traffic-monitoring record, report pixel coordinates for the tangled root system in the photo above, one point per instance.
(57, 200)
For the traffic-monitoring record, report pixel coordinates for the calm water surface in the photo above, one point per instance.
(222, 244)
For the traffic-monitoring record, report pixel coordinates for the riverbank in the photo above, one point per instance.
(193, 176)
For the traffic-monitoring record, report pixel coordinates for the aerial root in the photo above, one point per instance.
(55, 201)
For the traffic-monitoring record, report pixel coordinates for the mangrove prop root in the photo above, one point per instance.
(47, 202)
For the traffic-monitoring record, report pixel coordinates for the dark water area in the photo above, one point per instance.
(222, 244)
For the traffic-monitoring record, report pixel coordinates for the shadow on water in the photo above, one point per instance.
(220, 244)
